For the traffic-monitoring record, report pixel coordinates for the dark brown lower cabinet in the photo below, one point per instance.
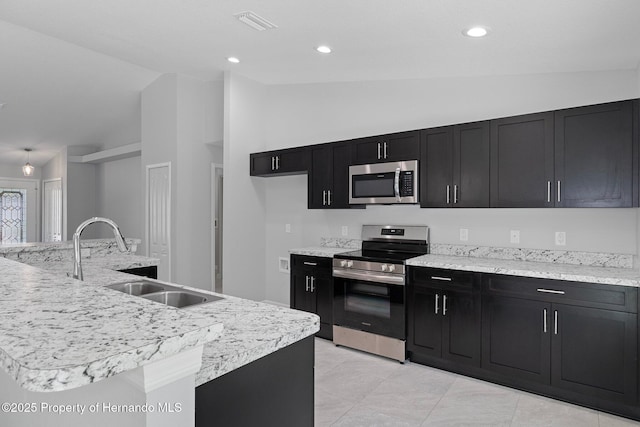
(312, 289)
(567, 340)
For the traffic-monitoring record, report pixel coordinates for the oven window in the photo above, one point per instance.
(376, 185)
(367, 299)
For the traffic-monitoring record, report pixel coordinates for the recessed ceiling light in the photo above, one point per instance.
(233, 59)
(1, 106)
(476, 32)
(323, 49)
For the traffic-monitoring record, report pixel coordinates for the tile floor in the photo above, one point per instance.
(358, 389)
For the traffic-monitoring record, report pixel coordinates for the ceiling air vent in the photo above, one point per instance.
(254, 21)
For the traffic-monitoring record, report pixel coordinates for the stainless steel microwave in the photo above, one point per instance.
(384, 183)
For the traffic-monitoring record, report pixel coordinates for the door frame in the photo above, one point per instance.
(214, 230)
(42, 219)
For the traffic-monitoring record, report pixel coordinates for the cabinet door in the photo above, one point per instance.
(471, 145)
(522, 161)
(340, 190)
(516, 338)
(401, 146)
(301, 296)
(594, 156)
(436, 168)
(323, 289)
(594, 352)
(425, 321)
(292, 161)
(261, 164)
(321, 177)
(461, 333)
(367, 150)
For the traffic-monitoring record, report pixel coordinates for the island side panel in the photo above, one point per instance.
(275, 390)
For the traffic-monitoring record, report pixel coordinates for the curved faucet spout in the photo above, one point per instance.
(77, 262)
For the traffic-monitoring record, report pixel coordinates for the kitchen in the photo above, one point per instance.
(249, 116)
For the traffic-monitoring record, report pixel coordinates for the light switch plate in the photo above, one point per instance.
(464, 234)
(561, 238)
(345, 230)
(287, 228)
(515, 236)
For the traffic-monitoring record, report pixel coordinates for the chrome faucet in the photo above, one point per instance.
(77, 264)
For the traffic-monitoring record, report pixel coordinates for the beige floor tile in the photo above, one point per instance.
(608, 420)
(539, 411)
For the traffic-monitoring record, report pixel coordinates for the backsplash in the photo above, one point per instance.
(594, 259)
(339, 242)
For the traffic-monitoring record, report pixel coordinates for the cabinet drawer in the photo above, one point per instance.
(442, 278)
(320, 265)
(611, 297)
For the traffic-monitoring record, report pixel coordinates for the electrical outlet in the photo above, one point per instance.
(287, 228)
(515, 236)
(345, 230)
(561, 238)
(283, 264)
(464, 234)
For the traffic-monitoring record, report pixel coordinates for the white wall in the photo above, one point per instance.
(8, 170)
(244, 198)
(181, 118)
(82, 200)
(119, 196)
(314, 113)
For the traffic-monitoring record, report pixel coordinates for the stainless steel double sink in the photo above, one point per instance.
(173, 296)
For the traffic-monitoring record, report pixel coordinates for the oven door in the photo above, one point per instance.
(370, 306)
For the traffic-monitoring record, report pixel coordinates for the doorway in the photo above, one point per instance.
(52, 210)
(217, 185)
(158, 217)
(19, 211)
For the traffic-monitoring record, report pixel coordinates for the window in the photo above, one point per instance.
(13, 219)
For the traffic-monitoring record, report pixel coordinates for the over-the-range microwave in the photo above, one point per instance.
(384, 183)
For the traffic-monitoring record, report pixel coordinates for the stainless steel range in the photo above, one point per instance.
(369, 291)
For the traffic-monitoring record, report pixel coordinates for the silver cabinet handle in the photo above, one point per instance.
(555, 322)
(306, 283)
(379, 155)
(324, 198)
(548, 191)
(437, 307)
(455, 194)
(310, 263)
(550, 291)
(544, 320)
(448, 194)
(273, 163)
(444, 305)
(385, 150)
(329, 197)
(313, 287)
(558, 190)
(446, 279)
(277, 162)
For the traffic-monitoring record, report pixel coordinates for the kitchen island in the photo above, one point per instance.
(66, 345)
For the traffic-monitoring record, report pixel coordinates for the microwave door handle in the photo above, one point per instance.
(396, 184)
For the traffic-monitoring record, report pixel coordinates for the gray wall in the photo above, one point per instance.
(314, 113)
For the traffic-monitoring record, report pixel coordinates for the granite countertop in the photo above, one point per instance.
(320, 251)
(65, 245)
(58, 333)
(546, 270)
(42, 352)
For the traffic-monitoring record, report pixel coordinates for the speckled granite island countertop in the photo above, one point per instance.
(58, 333)
(545, 270)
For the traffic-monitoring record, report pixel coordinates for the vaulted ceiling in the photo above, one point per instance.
(72, 70)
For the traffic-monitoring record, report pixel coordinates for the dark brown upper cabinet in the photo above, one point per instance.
(522, 161)
(281, 162)
(387, 148)
(454, 170)
(594, 156)
(328, 184)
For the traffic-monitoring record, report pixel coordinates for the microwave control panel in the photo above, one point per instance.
(406, 183)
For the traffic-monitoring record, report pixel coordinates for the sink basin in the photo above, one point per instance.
(173, 296)
(137, 288)
(180, 298)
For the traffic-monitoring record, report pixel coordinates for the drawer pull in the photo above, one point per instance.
(446, 279)
(310, 263)
(550, 291)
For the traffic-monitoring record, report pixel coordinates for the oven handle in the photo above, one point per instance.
(369, 276)
(396, 184)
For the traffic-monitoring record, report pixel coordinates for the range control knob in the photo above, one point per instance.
(343, 263)
(349, 264)
(384, 267)
(392, 268)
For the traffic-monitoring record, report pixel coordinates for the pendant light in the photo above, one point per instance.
(27, 169)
